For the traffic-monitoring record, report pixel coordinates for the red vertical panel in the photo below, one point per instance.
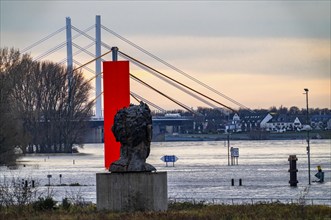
(116, 93)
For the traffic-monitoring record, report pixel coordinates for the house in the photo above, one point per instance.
(265, 120)
(254, 121)
(321, 122)
(234, 125)
(283, 122)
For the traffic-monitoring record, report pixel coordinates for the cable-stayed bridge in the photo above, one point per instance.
(84, 50)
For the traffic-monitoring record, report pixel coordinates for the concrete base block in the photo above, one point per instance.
(136, 191)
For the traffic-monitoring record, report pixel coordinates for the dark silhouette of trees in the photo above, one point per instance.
(51, 112)
(215, 120)
(294, 110)
(11, 135)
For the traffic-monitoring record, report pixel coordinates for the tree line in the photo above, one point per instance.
(41, 111)
(220, 113)
(218, 118)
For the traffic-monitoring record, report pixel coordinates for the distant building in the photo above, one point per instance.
(320, 122)
(265, 120)
(234, 125)
(282, 123)
(252, 122)
(172, 124)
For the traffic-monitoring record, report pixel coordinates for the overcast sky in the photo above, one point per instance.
(260, 53)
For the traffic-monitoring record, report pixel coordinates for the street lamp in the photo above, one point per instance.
(308, 129)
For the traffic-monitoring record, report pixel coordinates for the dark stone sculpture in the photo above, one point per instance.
(133, 129)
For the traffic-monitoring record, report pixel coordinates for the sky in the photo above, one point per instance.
(259, 53)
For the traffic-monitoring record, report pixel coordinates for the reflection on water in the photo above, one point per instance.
(202, 171)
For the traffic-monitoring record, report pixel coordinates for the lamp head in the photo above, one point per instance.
(306, 90)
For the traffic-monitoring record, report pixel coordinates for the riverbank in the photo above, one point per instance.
(175, 211)
(256, 135)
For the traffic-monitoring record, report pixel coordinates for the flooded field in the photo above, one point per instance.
(201, 172)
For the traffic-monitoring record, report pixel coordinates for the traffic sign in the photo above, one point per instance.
(169, 158)
(235, 152)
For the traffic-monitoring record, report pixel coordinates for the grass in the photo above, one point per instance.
(176, 211)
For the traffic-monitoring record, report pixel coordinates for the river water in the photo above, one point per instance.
(201, 173)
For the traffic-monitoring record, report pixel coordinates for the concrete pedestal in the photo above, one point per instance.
(136, 191)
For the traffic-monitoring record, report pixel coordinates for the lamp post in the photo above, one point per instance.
(308, 129)
(228, 149)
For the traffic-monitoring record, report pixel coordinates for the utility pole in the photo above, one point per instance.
(308, 138)
(98, 105)
(228, 149)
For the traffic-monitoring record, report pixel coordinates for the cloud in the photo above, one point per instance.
(308, 58)
(210, 18)
(261, 53)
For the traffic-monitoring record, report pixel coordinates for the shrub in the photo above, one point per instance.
(74, 184)
(47, 203)
(66, 204)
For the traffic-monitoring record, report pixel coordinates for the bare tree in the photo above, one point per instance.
(53, 112)
(11, 130)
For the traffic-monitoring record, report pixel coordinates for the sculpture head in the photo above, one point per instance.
(133, 125)
(133, 129)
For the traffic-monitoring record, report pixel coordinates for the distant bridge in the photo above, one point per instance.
(74, 52)
(161, 125)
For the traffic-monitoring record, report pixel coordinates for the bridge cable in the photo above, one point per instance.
(85, 67)
(84, 50)
(87, 63)
(138, 47)
(42, 40)
(91, 38)
(76, 53)
(176, 85)
(92, 101)
(109, 47)
(50, 51)
(163, 94)
(93, 77)
(59, 46)
(174, 68)
(136, 96)
(131, 43)
(176, 81)
(91, 61)
(133, 96)
(83, 33)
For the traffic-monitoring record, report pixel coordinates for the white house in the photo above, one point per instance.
(282, 123)
(265, 120)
